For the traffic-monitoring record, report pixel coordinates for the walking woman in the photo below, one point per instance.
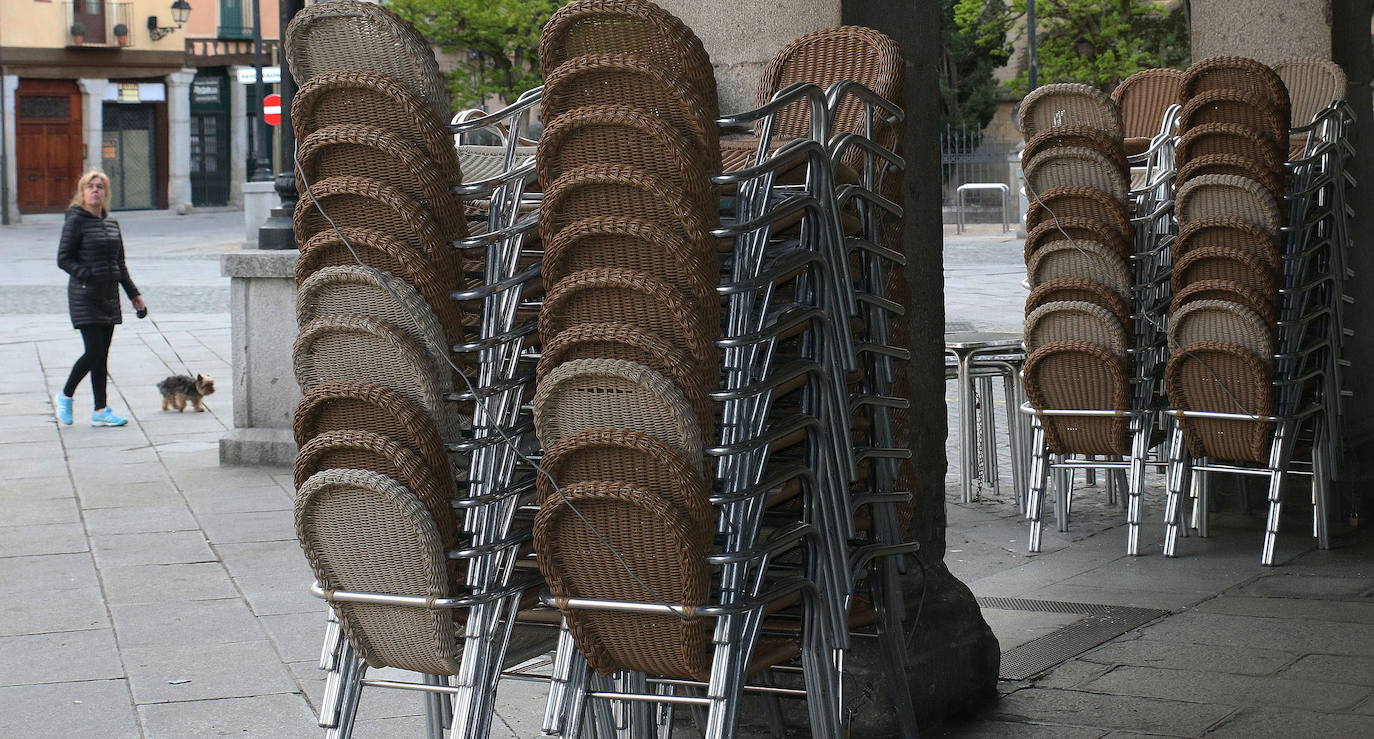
(92, 252)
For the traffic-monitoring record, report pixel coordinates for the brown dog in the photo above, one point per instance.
(178, 389)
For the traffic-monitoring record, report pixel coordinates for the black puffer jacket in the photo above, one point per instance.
(92, 252)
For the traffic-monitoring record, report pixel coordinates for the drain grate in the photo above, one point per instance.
(1098, 625)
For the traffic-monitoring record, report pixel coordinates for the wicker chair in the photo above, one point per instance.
(1079, 289)
(362, 202)
(1222, 378)
(1076, 375)
(1143, 98)
(1228, 138)
(1226, 263)
(614, 394)
(1213, 195)
(596, 190)
(352, 35)
(1068, 104)
(1085, 259)
(640, 245)
(1221, 320)
(1075, 166)
(1080, 202)
(1230, 291)
(1236, 73)
(1078, 228)
(1240, 107)
(1230, 232)
(1313, 83)
(1231, 164)
(1076, 136)
(1075, 321)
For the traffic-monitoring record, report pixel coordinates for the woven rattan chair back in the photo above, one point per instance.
(596, 190)
(1079, 289)
(1077, 228)
(624, 543)
(1144, 97)
(1236, 73)
(1085, 137)
(1068, 104)
(1226, 263)
(1221, 320)
(1231, 164)
(361, 98)
(1222, 378)
(363, 531)
(485, 162)
(1313, 83)
(1080, 202)
(1214, 195)
(1075, 321)
(1227, 138)
(589, 394)
(1077, 375)
(1226, 231)
(352, 35)
(636, 244)
(1241, 107)
(362, 202)
(1230, 291)
(356, 406)
(1085, 259)
(1076, 166)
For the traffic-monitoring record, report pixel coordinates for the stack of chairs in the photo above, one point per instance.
(387, 404)
(1254, 322)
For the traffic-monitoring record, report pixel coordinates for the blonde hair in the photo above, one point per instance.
(79, 200)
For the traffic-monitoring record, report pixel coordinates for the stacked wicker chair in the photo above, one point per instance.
(1144, 97)
(1313, 83)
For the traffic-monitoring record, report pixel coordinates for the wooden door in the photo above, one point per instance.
(48, 144)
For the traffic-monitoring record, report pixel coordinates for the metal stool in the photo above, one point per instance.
(975, 359)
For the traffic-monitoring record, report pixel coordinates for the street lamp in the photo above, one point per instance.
(181, 10)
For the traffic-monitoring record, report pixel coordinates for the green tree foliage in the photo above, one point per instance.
(496, 42)
(972, 50)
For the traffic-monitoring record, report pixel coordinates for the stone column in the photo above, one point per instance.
(93, 121)
(8, 84)
(179, 140)
(238, 136)
(1267, 30)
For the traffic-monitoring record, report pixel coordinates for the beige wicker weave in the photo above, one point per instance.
(1234, 164)
(1143, 98)
(1075, 321)
(1221, 320)
(1214, 195)
(352, 35)
(1080, 202)
(1241, 107)
(1231, 232)
(596, 190)
(1236, 73)
(1076, 375)
(1076, 227)
(1086, 259)
(589, 394)
(1079, 289)
(1080, 136)
(1222, 378)
(1075, 166)
(1265, 305)
(1313, 83)
(363, 531)
(481, 163)
(1229, 138)
(1068, 104)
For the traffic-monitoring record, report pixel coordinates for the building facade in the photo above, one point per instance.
(147, 91)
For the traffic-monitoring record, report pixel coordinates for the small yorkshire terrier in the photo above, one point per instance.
(178, 389)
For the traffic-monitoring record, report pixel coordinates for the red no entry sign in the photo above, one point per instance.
(271, 110)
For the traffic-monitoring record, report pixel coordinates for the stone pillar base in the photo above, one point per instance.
(264, 447)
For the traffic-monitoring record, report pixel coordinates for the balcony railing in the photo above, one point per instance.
(98, 20)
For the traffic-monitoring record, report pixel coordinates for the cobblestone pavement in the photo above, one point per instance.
(145, 591)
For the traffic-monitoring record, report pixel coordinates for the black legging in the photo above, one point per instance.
(97, 340)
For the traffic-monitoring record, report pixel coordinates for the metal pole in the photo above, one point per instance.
(256, 171)
(276, 231)
(1034, 71)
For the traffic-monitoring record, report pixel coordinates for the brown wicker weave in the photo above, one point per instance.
(1079, 202)
(1076, 227)
(360, 98)
(640, 245)
(384, 156)
(1079, 289)
(1236, 73)
(1214, 195)
(1230, 232)
(1242, 107)
(1143, 98)
(1075, 321)
(631, 458)
(1313, 83)
(1228, 138)
(632, 343)
(363, 531)
(362, 202)
(614, 394)
(1232, 164)
(1228, 290)
(1085, 137)
(595, 190)
(1068, 104)
(1226, 263)
(1085, 259)
(1076, 375)
(1222, 378)
(623, 79)
(1221, 320)
(1075, 166)
(624, 543)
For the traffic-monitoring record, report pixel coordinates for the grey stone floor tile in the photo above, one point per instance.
(45, 572)
(1316, 587)
(280, 716)
(1072, 674)
(520, 708)
(1217, 687)
(53, 538)
(182, 672)
(1076, 708)
(279, 593)
(46, 611)
(1257, 722)
(1007, 730)
(1292, 608)
(298, 636)
(1164, 601)
(64, 656)
(206, 501)
(226, 621)
(1014, 628)
(120, 474)
(163, 583)
(259, 558)
(1365, 709)
(97, 708)
(1265, 633)
(42, 484)
(126, 495)
(40, 511)
(33, 449)
(163, 547)
(377, 703)
(139, 520)
(232, 528)
(1332, 667)
(1203, 657)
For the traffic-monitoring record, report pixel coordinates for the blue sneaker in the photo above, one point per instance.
(106, 417)
(63, 406)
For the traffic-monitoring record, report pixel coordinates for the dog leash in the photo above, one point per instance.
(158, 329)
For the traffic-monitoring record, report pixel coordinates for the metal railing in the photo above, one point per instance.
(99, 20)
(968, 155)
